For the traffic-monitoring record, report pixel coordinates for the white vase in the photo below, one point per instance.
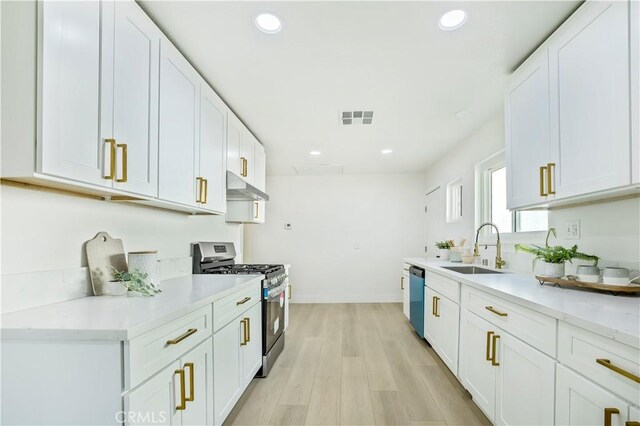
(146, 262)
(552, 270)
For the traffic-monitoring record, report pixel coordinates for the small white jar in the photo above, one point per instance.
(146, 262)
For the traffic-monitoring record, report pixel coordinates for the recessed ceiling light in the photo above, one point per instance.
(464, 113)
(268, 23)
(453, 20)
(387, 151)
(315, 153)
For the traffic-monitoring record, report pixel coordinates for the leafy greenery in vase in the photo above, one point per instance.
(555, 254)
(136, 281)
(444, 245)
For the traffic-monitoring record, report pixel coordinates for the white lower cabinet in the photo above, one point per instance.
(441, 326)
(579, 401)
(180, 394)
(237, 359)
(509, 380)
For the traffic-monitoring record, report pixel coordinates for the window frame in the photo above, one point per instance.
(483, 206)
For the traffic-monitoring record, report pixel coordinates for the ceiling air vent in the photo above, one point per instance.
(349, 118)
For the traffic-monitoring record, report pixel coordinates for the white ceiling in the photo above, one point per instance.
(387, 56)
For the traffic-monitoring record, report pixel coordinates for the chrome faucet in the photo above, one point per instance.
(499, 262)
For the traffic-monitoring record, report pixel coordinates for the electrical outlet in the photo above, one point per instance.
(572, 230)
(288, 226)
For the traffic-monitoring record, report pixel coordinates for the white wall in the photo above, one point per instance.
(350, 233)
(610, 230)
(46, 231)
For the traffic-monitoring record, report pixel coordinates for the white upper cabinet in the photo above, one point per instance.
(590, 126)
(179, 131)
(70, 92)
(129, 113)
(213, 151)
(247, 147)
(260, 167)
(527, 136)
(235, 129)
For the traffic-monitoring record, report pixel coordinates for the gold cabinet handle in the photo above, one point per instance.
(542, 173)
(243, 342)
(206, 191)
(402, 283)
(494, 341)
(183, 398)
(492, 309)
(289, 291)
(607, 364)
(112, 158)
(183, 336)
(124, 162)
(247, 324)
(192, 374)
(256, 205)
(550, 168)
(608, 412)
(243, 172)
(437, 307)
(433, 306)
(488, 353)
(199, 189)
(243, 301)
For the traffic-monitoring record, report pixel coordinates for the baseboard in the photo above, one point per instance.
(346, 298)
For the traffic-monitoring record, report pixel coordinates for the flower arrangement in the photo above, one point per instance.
(443, 245)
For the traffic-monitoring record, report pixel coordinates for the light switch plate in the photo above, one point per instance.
(572, 230)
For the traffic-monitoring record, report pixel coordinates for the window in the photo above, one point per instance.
(492, 191)
(454, 201)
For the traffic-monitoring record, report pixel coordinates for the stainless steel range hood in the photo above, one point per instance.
(239, 190)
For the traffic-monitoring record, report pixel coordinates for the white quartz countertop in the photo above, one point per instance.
(121, 317)
(617, 317)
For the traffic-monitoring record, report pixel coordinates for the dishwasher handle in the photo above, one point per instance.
(415, 271)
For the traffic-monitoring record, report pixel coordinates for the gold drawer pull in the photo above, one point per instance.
(199, 189)
(607, 363)
(550, 167)
(257, 207)
(494, 341)
(124, 162)
(608, 412)
(243, 301)
(491, 309)
(488, 353)
(190, 366)
(180, 338)
(402, 283)
(112, 158)
(183, 399)
(543, 170)
(244, 333)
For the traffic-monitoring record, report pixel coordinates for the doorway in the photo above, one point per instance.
(434, 219)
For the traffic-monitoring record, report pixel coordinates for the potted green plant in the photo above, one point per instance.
(443, 249)
(554, 258)
(136, 282)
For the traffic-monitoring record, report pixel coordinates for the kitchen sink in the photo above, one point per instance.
(471, 270)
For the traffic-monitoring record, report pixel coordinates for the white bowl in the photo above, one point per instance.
(588, 278)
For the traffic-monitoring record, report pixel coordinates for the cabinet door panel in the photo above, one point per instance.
(526, 379)
(200, 410)
(477, 374)
(527, 132)
(70, 139)
(581, 402)
(155, 401)
(448, 329)
(430, 319)
(213, 151)
(227, 369)
(246, 152)
(589, 61)
(260, 167)
(179, 115)
(136, 52)
(252, 351)
(233, 145)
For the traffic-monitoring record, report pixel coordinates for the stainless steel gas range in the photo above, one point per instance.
(219, 258)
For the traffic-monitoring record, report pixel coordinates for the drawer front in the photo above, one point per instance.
(234, 305)
(536, 329)
(618, 369)
(443, 285)
(153, 350)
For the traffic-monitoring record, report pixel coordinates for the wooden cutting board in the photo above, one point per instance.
(103, 255)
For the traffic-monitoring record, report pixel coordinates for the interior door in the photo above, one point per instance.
(155, 401)
(70, 143)
(589, 62)
(526, 380)
(434, 213)
(476, 372)
(197, 365)
(213, 150)
(448, 331)
(130, 96)
(528, 134)
(179, 116)
(252, 351)
(227, 365)
(581, 402)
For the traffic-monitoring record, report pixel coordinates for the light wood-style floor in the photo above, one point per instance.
(355, 364)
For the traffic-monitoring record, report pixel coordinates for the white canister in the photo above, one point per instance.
(145, 261)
